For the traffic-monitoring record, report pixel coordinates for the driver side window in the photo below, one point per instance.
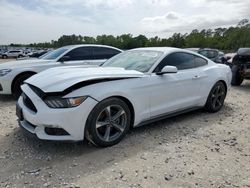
(179, 59)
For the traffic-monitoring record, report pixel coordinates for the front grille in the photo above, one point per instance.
(28, 103)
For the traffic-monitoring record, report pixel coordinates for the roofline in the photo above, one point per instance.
(91, 45)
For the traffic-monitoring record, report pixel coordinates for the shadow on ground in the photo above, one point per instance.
(6, 98)
(245, 86)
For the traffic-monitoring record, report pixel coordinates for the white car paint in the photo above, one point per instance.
(150, 94)
(37, 65)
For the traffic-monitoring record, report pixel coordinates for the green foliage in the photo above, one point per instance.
(222, 38)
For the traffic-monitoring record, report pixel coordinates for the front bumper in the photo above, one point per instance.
(71, 120)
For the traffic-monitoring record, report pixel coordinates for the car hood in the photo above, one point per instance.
(23, 63)
(62, 78)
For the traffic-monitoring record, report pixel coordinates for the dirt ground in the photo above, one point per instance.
(197, 149)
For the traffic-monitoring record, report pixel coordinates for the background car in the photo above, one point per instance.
(12, 74)
(193, 49)
(213, 54)
(241, 66)
(13, 54)
(131, 89)
(38, 54)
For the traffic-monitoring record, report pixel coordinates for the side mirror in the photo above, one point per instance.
(64, 58)
(168, 70)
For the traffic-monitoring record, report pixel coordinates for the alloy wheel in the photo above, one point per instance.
(111, 123)
(218, 96)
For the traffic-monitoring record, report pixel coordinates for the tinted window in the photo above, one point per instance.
(104, 53)
(82, 53)
(179, 60)
(200, 61)
(55, 54)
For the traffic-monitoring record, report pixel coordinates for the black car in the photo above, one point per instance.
(241, 66)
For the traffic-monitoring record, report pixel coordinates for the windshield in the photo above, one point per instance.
(55, 54)
(139, 60)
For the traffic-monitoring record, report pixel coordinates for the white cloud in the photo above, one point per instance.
(202, 14)
(90, 3)
(25, 26)
(167, 17)
(44, 20)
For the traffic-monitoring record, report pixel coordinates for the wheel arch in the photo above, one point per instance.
(19, 75)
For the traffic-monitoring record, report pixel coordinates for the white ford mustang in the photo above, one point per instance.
(133, 88)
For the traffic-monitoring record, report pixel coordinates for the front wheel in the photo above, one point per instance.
(16, 89)
(108, 122)
(216, 97)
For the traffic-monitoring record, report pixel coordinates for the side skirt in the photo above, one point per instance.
(166, 115)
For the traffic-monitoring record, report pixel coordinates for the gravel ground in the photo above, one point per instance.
(197, 149)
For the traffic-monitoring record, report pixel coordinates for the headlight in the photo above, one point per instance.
(58, 102)
(3, 72)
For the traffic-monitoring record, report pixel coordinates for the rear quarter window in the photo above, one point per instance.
(199, 62)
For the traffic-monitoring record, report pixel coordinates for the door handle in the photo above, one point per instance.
(196, 77)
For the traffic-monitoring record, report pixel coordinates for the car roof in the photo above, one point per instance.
(165, 50)
(244, 51)
(160, 49)
(91, 45)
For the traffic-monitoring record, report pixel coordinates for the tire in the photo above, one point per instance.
(216, 97)
(4, 56)
(19, 56)
(237, 78)
(114, 119)
(16, 89)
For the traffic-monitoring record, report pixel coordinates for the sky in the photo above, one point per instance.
(28, 21)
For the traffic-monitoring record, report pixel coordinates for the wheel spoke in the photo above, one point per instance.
(214, 103)
(218, 90)
(221, 94)
(107, 134)
(218, 102)
(108, 112)
(117, 115)
(101, 124)
(118, 127)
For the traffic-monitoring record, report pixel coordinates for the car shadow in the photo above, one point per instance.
(6, 98)
(84, 159)
(245, 86)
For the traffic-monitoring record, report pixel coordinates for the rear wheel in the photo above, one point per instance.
(108, 122)
(19, 56)
(16, 89)
(4, 56)
(216, 97)
(237, 77)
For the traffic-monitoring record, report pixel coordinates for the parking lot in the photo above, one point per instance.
(197, 149)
